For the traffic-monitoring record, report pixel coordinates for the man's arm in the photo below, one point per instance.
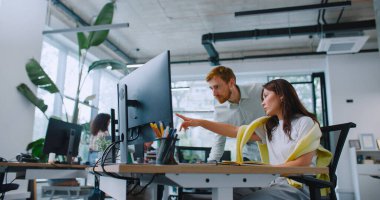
(217, 149)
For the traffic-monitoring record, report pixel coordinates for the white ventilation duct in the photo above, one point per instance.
(342, 43)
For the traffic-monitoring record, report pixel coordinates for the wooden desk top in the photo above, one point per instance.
(210, 168)
(40, 165)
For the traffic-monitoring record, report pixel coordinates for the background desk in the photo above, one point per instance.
(43, 171)
(221, 178)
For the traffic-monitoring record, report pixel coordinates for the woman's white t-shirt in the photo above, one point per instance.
(280, 147)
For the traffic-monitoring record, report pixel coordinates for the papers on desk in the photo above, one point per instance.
(243, 163)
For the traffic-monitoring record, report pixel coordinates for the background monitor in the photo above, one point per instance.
(62, 138)
(144, 96)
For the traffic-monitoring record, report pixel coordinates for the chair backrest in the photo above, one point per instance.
(192, 154)
(333, 139)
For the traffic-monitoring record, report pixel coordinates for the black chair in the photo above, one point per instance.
(6, 187)
(333, 139)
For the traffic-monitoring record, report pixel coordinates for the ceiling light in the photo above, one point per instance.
(134, 66)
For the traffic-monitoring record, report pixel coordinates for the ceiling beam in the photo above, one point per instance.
(210, 38)
(294, 8)
(81, 21)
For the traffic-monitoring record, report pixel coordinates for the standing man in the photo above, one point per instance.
(238, 105)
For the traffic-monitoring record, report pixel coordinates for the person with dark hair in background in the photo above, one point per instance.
(287, 125)
(98, 129)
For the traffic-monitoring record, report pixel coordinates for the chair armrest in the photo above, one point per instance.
(312, 181)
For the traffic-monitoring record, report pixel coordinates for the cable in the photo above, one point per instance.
(145, 186)
(340, 15)
(105, 154)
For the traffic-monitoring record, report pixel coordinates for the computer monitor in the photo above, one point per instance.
(144, 96)
(62, 138)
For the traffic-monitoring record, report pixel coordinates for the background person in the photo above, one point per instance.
(98, 129)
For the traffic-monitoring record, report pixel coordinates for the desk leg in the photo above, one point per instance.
(222, 193)
(116, 188)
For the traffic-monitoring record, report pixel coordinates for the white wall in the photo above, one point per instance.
(21, 25)
(356, 77)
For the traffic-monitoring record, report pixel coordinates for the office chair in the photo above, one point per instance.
(6, 187)
(333, 139)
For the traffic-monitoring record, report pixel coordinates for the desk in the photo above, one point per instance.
(221, 178)
(43, 170)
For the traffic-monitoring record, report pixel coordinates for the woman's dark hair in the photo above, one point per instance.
(290, 104)
(100, 123)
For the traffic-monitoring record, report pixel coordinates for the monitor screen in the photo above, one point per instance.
(58, 136)
(144, 96)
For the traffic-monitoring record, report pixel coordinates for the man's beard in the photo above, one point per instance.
(222, 99)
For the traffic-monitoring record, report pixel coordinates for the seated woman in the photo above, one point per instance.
(99, 129)
(287, 123)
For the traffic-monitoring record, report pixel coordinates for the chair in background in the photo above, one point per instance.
(333, 139)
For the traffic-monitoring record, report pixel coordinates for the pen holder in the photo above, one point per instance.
(165, 151)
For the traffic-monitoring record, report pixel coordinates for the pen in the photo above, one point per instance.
(161, 127)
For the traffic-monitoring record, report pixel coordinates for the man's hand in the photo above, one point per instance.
(188, 122)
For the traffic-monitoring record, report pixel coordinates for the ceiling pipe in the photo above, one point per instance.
(81, 21)
(294, 8)
(211, 38)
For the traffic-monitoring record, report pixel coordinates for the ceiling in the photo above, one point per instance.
(178, 25)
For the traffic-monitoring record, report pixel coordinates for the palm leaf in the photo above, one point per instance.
(39, 103)
(82, 42)
(101, 64)
(38, 76)
(105, 16)
(35, 143)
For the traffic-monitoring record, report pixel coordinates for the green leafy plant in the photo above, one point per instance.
(36, 148)
(102, 143)
(41, 79)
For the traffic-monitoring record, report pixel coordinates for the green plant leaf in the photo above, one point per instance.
(101, 64)
(39, 103)
(105, 16)
(38, 76)
(35, 143)
(82, 42)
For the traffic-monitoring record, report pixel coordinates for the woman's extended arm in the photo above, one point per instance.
(217, 127)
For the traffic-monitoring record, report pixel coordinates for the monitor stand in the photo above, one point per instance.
(70, 149)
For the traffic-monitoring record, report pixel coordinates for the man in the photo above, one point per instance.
(238, 105)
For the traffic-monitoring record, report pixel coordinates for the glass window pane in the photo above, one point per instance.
(107, 93)
(49, 62)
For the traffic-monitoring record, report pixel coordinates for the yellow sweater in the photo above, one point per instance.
(310, 142)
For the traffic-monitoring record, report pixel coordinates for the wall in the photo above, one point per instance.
(354, 77)
(21, 25)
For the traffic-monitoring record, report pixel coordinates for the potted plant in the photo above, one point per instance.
(41, 79)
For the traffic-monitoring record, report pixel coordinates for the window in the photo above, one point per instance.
(61, 64)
